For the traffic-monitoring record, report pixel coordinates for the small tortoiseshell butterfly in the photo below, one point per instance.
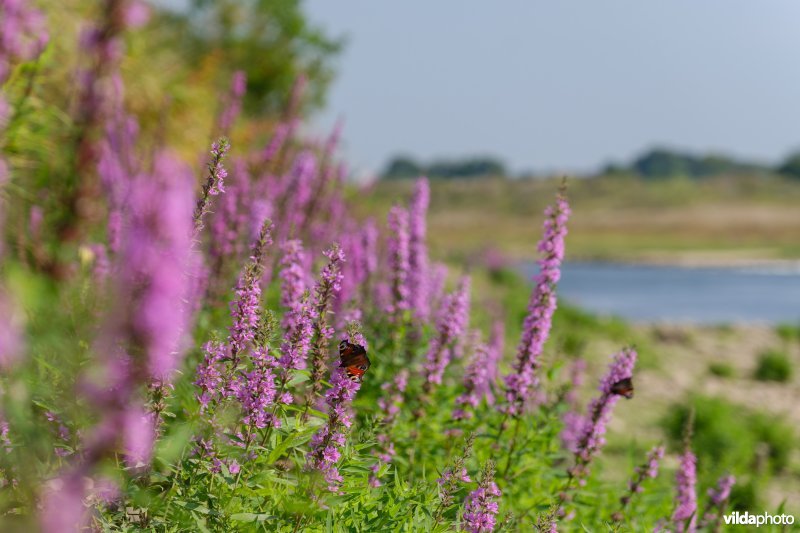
(623, 387)
(353, 358)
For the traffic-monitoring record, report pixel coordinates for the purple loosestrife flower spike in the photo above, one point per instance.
(215, 183)
(368, 242)
(453, 475)
(325, 291)
(717, 501)
(277, 141)
(592, 436)
(226, 225)
(23, 34)
(577, 373)
(521, 382)
(298, 193)
(246, 307)
(294, 278)
(327, 442)
(233, 105)
(211, 374)
(477, 380)
(722, 492)
(154, 263)
(418, 250)
(151, 284)
(399, 261)
(297, 341)
(643, 472)
(684, 518)
(573, 419)
(481, 507)
(117, 165)
(256, 390)
(453, 316)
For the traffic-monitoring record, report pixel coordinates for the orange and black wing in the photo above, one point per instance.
(623, 387)
(353, 358)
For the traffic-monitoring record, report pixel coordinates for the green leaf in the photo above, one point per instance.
(290, 442)
(252, 517)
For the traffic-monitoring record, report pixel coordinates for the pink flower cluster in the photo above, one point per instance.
(684, 518)
(453, 315)
(327, 442)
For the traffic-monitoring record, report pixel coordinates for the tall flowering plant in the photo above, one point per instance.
(521, 381)
(684, 518)
(481, 507)
(418, 274)
(643, 472)
(399, 267)
(452, 319)
(325, 292)
(141, 341)
(591, 436)
(326, 443)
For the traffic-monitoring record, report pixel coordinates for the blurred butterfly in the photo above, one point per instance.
(623, 387)
(353, 358)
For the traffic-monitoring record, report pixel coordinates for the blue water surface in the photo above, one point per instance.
(644, 293)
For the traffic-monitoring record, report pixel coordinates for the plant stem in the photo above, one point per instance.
(513, 445)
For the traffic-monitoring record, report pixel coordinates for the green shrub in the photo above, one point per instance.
(721, 369)
(744, 496)
(788, 332)
(729, 437)
(778, 437)
(773, 365)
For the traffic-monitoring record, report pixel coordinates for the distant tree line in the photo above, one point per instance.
(470, 167)
(660, 163)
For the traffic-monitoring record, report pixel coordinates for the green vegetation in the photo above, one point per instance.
(730, 438)
(83, 406)
(774, 365)
(721, 369)
(720, 220)
(472, 167)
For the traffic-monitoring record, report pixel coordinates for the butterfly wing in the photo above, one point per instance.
(353, 358)
(623, 387)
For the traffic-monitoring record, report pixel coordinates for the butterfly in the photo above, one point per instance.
(353, 358)
(623, 387)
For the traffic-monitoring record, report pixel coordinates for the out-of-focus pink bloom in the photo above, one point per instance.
(418, 276)
(453, 316)
(399, 260)
(478, 378)
(139, 436)
(11, 338)
(137, 14)
(294, 281)
(62, 508)
(233, 104)
(684, 518)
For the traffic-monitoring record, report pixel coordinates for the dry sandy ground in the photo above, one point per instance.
(683, 356)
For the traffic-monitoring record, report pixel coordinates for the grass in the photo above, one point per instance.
(715, 221)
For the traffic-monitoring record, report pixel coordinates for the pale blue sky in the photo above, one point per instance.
(563, 85)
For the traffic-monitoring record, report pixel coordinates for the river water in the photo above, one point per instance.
(644, 293)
